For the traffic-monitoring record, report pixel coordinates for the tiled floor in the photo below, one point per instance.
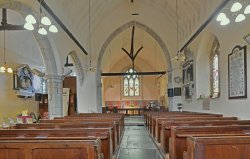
(136, 142)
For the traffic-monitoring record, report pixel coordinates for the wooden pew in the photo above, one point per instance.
(49, 148)
(119, 128)
(220, 147)
(102, 133)
(165, 133)
(96, 115)
(107, 125)
(153, 119)
(179, 136)
(162, 121)
(150, 115)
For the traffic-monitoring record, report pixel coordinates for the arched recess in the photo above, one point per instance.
(143, 27)
(78, 66)
(148, 30)
(203, 64)
(43, 42)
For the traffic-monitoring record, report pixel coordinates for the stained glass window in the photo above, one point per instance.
(131, 84)
(215, 76)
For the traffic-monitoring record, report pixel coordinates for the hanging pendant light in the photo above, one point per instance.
(9, 70)
(221, 17)
(28, 26)
(247, 10)
(45, 21)
(30, 19)
(225, 22)
(240, 18)
(236, 7)
(42, 31)
(179, 57)
(53, 29)
(90, 67)
(4, 67)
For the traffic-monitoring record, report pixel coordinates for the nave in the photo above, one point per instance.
(155, 135)
(136, 142)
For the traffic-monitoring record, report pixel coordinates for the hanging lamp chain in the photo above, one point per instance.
(177, 27)
(89, 38)
(4, 61)
(40, 15)
(110, 66)
(155, 62)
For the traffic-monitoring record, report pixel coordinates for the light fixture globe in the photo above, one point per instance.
(240, 18)
(28, 26)
(53, 29)
(236, 7)
(42, 31)
(45, 21)
(9, 70)
(2, 69)
(221, 17)
(30, 19)
(247, 10)
(225, 22)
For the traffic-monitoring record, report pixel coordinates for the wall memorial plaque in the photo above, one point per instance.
(237, 73)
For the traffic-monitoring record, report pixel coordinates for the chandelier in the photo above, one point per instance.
(179, 57)
(90, 67)
(236, 13)
(44, 23)
(4, 68)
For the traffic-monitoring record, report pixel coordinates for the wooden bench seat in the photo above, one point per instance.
(74, 125)
(219, 147)
(166, 132)
(161, 121)
(150, 115)
(179, 134)
(49, 148)
(152, 122)
(103, 134)
(119, 127)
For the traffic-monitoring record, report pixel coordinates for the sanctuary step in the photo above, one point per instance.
(137, 142)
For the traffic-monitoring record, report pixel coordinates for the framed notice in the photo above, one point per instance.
(237, 73)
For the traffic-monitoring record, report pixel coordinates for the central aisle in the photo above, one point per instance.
(136, 142)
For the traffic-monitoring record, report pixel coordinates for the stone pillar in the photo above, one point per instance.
(55, 95)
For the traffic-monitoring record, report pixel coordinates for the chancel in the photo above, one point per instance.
(124, 79)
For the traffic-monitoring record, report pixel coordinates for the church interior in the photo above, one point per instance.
(139, 78)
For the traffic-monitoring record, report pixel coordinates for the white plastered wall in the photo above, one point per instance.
(228, 36)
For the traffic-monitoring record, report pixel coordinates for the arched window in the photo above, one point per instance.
(131, 84)
(215, 73)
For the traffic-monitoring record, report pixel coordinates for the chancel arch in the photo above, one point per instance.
(143, 27)
(153, 57)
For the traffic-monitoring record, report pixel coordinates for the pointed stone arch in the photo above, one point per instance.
(43, 42)
(50, 58)
(143, 27)
(78, 66)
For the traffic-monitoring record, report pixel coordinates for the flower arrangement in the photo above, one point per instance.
(179, 106)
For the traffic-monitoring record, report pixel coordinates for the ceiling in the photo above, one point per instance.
(108, 15)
